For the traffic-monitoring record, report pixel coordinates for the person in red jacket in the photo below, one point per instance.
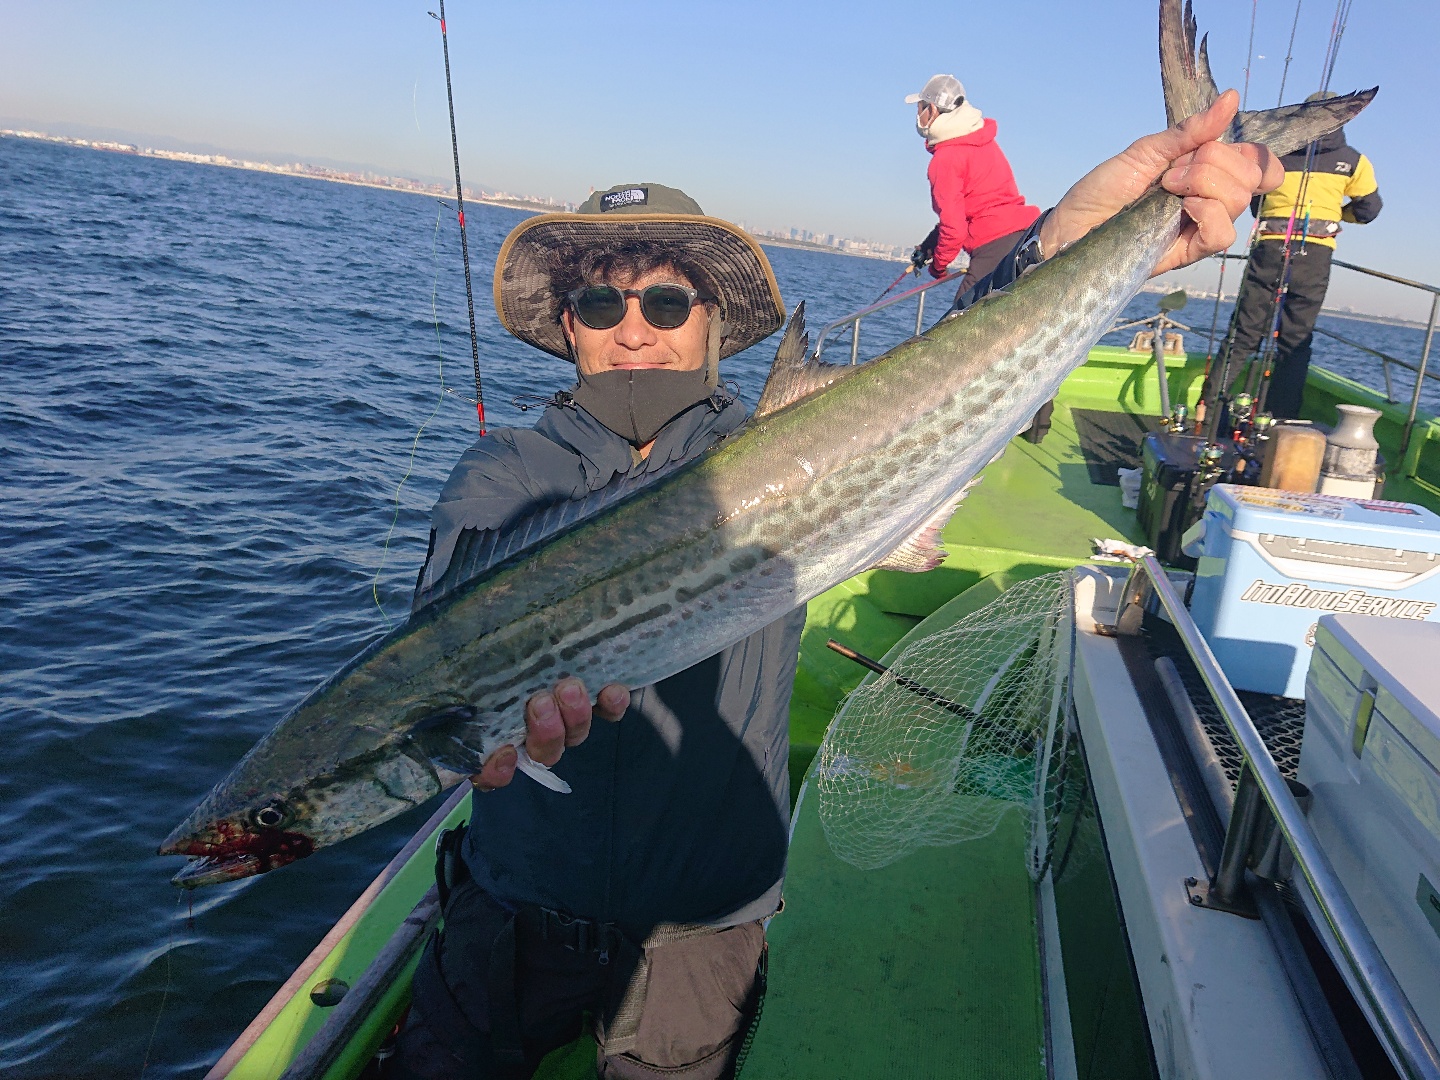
(971, 186)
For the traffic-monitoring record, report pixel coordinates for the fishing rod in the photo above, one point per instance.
(460, 214)
(903, 274)
(1271, 345)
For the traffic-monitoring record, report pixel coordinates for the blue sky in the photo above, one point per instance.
(778, 114)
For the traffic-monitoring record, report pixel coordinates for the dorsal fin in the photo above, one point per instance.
(794, 375)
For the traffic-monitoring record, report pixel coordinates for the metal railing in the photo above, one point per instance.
(1421, 370)
(853, 319)
(1262, 787)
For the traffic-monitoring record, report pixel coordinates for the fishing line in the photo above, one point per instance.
(1249, 53)
(1289, 55)
(415, 443)
(165, 994)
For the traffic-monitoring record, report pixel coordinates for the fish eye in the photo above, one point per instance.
(271, 816)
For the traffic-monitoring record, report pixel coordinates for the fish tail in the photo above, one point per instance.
(1190, 88)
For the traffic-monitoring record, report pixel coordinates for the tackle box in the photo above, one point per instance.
(1169, 466)
(1371, 758)
(1272, 562)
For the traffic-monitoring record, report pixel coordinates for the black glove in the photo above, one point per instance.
(921, 256)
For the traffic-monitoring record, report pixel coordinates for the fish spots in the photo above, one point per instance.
(575, 648)
(542, 663)
(684, 595)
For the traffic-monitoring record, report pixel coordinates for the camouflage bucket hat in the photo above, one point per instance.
(739, 271)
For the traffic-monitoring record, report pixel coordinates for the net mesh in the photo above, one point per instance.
(969, 724)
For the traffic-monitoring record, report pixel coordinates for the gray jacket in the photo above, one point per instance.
(679, 812)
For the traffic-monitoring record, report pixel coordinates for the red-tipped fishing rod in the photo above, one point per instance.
(460, 213)
(903, 274)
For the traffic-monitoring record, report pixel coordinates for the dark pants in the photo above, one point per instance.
(986, 257)
(1309, 278)
(701, 996)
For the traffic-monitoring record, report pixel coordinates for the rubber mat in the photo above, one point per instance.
(1110, 441)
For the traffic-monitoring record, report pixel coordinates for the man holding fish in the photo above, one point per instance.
(638, 898)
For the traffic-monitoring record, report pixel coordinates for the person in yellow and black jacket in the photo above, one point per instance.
(1308, 209)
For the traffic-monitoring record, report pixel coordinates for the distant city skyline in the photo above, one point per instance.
(412, 185)
(780, 115)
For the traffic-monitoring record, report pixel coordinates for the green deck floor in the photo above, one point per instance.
(929, 967)
(924, 968)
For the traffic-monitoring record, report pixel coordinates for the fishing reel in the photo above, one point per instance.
(1178, 422)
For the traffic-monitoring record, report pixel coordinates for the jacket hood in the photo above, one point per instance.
(981, 134)
(1328, 144)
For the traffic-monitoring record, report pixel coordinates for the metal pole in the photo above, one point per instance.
(855, 343)
(919, 314)
(1229, 885)
(1157, 347)
(1419, 380)
(1407, 1043)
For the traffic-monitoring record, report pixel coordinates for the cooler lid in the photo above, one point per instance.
(1372, 522)
(1402, 657)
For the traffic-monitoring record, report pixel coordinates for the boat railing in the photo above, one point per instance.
(852, 320)
(1420, 370)
(1264, 801)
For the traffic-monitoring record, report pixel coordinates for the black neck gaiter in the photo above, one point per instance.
(636, 403)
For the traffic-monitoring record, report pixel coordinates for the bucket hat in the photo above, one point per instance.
(749, 295)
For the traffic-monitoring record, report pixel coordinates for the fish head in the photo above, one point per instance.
(310, 783)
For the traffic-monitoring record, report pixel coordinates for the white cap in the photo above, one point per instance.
(943, 91)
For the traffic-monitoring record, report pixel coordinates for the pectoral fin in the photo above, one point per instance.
(922, 550)
(456, 748)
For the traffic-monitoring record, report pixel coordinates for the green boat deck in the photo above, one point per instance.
(928, 967)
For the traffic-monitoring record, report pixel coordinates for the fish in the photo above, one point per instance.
(841, 468)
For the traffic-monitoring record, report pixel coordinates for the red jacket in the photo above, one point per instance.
(974, 192)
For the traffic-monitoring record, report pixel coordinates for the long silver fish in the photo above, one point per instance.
(839, 470)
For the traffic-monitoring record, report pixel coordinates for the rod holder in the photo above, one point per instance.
(1270, 857)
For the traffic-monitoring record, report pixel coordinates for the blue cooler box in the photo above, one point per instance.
(1272, 562)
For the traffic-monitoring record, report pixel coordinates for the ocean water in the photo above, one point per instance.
(211, 383)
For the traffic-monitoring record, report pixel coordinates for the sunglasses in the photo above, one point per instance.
(665, 307)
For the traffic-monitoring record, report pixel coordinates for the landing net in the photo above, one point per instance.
(968, 725)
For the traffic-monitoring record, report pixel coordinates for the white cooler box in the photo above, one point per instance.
(1272, 562)
(1371, 757)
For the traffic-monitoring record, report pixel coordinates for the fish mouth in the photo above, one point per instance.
(244, 854)
(214, 869)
